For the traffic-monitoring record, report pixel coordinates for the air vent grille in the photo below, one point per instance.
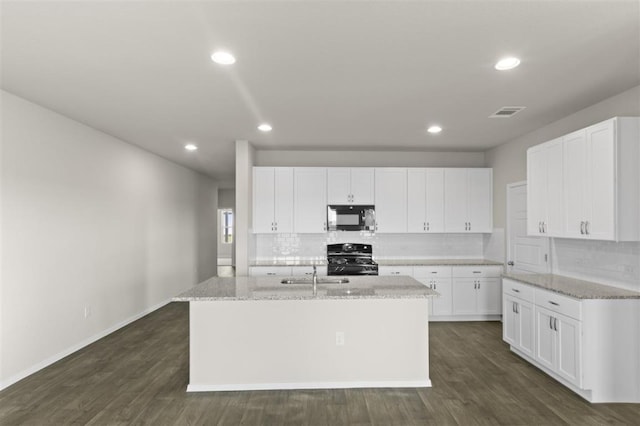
(507, 111)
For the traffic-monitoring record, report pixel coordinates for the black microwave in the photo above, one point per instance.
(351, 218)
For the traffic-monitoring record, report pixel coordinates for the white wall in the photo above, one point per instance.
(286, 158)
(244, 204)
(89, 221)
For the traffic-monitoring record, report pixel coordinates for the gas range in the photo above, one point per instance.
(350, 259)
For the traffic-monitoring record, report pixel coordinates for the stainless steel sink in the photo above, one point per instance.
(310, 281)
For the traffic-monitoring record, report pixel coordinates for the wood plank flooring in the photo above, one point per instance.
(138, 375)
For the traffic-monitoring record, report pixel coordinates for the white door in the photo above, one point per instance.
(455, 200)
(525, 254)
(574, 183)
(362, 185)
(310, 199)
(480, 200)
(263, 200)
(545, 338)
(510, 325)
(283, 205)
(600, 188)
(338, 185)
(416, 200)
(464, 296)
(442, 305)
(527, 331)
(391, 193)
(434, 218)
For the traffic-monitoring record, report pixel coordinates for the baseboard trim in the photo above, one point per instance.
(458, 318)
(308, 385)
(86, 342)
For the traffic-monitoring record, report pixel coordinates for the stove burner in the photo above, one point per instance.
(351, 259)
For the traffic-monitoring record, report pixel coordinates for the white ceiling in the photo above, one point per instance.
(326, 74)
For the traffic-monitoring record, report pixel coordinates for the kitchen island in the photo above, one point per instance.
(249, 333)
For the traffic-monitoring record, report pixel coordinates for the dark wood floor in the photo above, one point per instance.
(138, 375)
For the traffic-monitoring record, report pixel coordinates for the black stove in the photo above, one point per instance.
(350, 259)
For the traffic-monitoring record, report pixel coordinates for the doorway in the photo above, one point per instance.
(525, 254)
(225, 242)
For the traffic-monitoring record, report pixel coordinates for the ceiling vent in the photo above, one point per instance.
(506, 112)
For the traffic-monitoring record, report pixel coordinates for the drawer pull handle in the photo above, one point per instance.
(554, 303)
(516, 290)
(477, 272)
(271, 273)
(434, 272)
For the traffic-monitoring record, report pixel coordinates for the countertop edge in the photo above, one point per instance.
(624, 293)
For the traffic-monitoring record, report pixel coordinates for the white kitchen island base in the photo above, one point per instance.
(308, 344)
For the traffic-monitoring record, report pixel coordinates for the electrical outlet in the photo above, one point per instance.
(339, 338)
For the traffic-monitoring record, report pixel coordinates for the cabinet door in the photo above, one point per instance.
(601, 180)
(434, 212)
(554, 194)
(464, 296)
(442, 305)
(545, 338)
(362, 185)
(455, 200)
(338, 185)
(510, 323)
(416, 200)
(536, 189)
(263, 200)
(283, 201)
(527, 328)
(391, 193)
(489, 296)
(575, 175)
(480, 200)
(310, 200)
(568, 349)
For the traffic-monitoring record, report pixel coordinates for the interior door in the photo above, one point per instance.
(525, 253)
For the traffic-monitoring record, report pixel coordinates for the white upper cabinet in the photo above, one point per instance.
(544, 194)
(391, 200)
(468, 199)
(350, 185)
(310, 199)
(272, 199)
(425, 205)
(601, 181)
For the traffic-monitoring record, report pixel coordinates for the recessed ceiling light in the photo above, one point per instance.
(265, 127)
(507, 63)
(190, 147)
(434, 129)
(223, 58)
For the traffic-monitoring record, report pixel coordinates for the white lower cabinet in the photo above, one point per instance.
(477, 290)
(437, 278)
(591, 346)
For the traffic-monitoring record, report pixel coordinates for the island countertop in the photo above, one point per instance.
(270, 288)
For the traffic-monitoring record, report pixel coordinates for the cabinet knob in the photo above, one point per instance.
(582, 228)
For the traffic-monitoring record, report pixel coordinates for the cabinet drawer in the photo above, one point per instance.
(519, 290)
(263, 271)
(300, 271)
(395, 270)
(558, 303)
(477, 271)
(432, 271)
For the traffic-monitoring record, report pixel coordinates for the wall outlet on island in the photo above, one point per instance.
(87, 312)
(339, 338)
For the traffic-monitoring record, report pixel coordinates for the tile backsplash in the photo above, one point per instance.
(385, 246)
(610, 263)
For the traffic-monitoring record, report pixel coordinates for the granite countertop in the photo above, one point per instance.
(270, 288)
(382, 262)
(437, 262)
(573, 287)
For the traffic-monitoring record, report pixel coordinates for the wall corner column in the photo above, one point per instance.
(244, 205)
